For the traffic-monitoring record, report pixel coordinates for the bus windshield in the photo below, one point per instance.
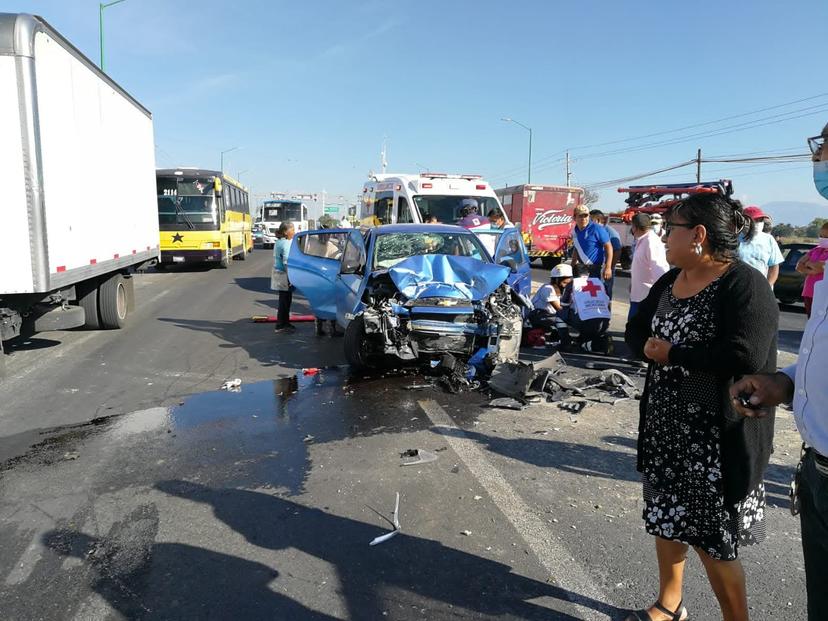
(186, 203)
(447, 208)
(282, 212)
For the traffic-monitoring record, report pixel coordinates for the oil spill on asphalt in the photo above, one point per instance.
(262, 434)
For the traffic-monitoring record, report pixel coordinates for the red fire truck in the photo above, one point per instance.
(544, 215)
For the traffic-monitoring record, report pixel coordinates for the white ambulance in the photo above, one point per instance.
(398, 199)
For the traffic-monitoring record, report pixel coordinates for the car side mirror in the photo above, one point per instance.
(509, 262)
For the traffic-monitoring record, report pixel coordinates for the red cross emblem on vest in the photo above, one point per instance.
(591, 288)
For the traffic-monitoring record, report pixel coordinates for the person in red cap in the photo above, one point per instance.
(758, 248)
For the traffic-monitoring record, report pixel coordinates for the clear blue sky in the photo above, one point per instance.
(309, 89)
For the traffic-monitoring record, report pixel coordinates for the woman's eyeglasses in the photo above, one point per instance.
(669, 226)
(816, 143)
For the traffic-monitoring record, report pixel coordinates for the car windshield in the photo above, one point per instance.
(391, 248)
(447, 208)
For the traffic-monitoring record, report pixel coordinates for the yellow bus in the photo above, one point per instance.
(203, 216)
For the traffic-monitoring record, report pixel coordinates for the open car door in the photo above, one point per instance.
(510, 246)
(313, 268)
(353, 271)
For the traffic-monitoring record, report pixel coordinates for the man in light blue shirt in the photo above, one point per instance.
(806, 383)
(761, 250)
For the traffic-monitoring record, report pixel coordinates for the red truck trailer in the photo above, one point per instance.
(544, 215)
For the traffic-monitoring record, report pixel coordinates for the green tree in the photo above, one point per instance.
(812, 230)
(783, 230)
(326, 221)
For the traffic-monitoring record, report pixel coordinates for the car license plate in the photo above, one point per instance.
(178, 259)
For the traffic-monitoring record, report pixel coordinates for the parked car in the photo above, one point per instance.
(413, 291)
(788, 287)
(258, 234)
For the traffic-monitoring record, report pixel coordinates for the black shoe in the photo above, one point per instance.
(288, 327)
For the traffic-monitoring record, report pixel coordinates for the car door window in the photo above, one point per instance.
(510, 247)
(354, 253)
(324, 245)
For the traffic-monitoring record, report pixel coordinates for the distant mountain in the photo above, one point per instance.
(795, 212)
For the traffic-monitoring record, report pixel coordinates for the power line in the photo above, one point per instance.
(710, 133)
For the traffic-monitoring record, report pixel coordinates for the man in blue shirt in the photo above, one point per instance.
(805, 383)
(599, 217)
(592, 245)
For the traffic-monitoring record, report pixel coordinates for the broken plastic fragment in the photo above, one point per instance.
(421, 456)
(233, 385)
(467, 533)
(506, 403)
(395, 521)
(308, 438)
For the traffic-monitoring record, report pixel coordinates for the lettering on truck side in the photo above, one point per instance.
(550, 217)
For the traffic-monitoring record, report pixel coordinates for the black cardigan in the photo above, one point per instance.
(745, 343)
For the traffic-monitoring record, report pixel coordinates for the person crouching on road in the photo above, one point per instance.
(279, 276)
(546, 303)
(649, 261)
(702, 325)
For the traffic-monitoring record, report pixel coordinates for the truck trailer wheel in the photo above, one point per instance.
(113, 302)
(87, 293)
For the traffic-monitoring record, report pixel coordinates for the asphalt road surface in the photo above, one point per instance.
(131, 487)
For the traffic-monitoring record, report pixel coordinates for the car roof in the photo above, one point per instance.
(419, 228)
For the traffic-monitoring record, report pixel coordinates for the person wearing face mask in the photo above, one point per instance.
(657, 224)
(812, 265)
(758, 248)
(804, 382)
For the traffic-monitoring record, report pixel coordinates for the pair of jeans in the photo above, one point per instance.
(283, 313)
(813, 495)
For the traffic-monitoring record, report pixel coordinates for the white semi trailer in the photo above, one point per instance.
(78, 209)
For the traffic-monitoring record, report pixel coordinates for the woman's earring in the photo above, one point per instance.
(697, 248)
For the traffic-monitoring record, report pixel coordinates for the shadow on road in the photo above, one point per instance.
(294, 350)
(564, 456)
(259, 284)
(420, 573)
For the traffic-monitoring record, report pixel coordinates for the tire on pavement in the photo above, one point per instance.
(113, 302)
(87, 294)
(354, 343)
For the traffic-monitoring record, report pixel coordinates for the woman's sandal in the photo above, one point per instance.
(680, 613)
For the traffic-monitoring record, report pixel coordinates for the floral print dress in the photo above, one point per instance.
(682, 462)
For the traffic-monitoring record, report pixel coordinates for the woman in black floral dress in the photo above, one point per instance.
(703, 325)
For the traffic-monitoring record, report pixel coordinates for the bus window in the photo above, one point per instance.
(403, 211)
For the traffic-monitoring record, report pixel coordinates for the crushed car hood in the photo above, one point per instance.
(447, 276)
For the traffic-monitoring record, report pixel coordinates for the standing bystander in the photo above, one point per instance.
(702, 325)
(592, 245)
(599, 217)
(812, 265)
(804, 382)
(758, 248)
(649, 261)
(279, 276)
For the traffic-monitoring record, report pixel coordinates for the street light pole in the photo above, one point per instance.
(222, 156)
(529, 129)
(101, 8)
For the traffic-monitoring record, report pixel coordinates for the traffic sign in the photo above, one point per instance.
(331, 209)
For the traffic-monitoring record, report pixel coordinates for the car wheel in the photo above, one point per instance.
(354, 343)
(787, 301)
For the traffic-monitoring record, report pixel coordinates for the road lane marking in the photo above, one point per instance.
(552, 554)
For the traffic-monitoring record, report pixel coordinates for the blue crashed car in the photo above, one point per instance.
(413, 290)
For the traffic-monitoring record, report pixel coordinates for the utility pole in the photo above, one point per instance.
(568, 172)
(529, 129)
(698, 166)
(101, 8)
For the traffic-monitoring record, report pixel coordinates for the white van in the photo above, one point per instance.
(398, 199)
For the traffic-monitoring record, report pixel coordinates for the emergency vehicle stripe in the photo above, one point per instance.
(61, 268)
(92, 261)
